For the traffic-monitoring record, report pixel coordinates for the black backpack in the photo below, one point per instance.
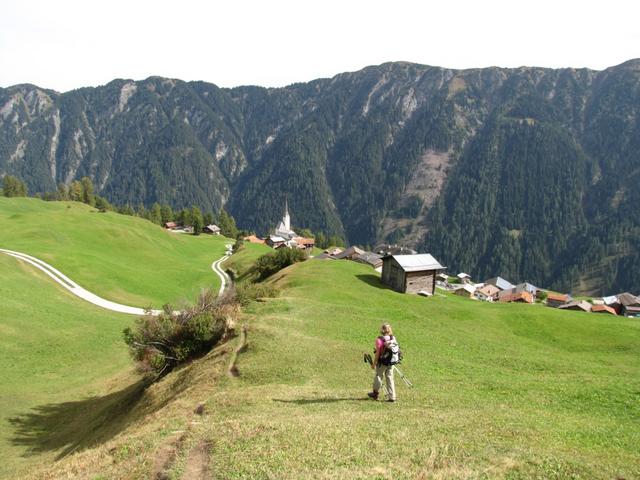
(391, 355)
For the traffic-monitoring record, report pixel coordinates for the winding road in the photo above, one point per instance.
(60, 278)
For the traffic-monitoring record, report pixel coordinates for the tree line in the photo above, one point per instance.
(159, 213)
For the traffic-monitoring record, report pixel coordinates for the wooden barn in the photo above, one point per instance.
(411, 273)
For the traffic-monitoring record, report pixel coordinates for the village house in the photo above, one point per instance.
(629, 305)
(411, 273)
(212, 229)
(603, 309)
(170, 225)
(556, 299)
(305, 243)
(333, 251)
(488, 293)
(253, 239)
(350, 253)
(275, 241)
(464, 277)
(370, 258)
(465, 290)
(515, 295)
(580, 306)
(501, 283)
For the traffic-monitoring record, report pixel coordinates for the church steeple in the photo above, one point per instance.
(286, 219)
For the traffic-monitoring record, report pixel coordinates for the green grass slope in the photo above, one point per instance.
(121, 258)
(501, 391)
(56, 350)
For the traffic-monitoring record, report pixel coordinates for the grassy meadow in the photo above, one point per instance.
(501, 391)
(56, 351)
(121, 258)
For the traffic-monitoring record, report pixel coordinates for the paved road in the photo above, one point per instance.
(84, 294)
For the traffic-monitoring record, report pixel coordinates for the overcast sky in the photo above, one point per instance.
(65, 44)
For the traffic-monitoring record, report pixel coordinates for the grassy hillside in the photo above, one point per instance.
(57, 352)
(501, 391)
(121, 258)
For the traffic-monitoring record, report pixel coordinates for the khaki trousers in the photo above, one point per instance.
(385, 371)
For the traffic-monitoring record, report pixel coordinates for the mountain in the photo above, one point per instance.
(531, 173)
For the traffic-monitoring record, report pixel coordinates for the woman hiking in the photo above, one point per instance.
(387, 351)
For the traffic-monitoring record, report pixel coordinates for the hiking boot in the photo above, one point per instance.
(391, 400)
(373, 395)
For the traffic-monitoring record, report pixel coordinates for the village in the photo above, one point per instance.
(407, 271)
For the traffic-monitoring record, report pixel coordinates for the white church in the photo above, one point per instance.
(283, 236)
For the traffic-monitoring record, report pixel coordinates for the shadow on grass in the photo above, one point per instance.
(308, 401)
(373, 280)
(71, 426)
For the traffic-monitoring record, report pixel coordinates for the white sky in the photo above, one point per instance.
(65, 44)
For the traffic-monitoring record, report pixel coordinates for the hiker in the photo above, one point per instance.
(386, 350)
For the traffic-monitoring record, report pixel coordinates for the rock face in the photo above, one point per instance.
(528, 172)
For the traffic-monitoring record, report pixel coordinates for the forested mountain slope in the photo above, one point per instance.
(531, 173)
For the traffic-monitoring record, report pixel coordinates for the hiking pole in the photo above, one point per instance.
(405, 379)
(368, 359)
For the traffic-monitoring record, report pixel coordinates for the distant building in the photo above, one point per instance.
(305, 243)
(275, 241)
(334, 251)
(370, 258)
(253, 239)
(411, 273)
(501, 283)
(513, 295)
(464, 277)
(465, 290)
(488, 293)
(557, 299)
(629, 305)
(603, 309)
(284, 227)
(212, 229)
(580, 306)
(349, 253)
(170, 225)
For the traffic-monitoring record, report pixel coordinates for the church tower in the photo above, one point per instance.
(286, 219)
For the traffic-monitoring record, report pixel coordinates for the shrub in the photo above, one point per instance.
(270, 263)
(162, 342)
(251, 292)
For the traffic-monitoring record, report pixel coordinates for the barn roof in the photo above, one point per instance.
(417, 263)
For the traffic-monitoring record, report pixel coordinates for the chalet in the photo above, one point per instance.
(501, 283)
(513, 295)
(580, 306)
(253, 239)
(305, 243)
(170, 225)
(370, 258)
(334, 251)
(349, 253)
(465, 290)
(556, 299)
(464, 277)
(212, 229)
(411, 273)
(527, 287)
(275, 241)
(629, 305)
(488, 293)
(603, 309)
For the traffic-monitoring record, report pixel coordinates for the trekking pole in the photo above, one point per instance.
(368, 359)
(405, 379)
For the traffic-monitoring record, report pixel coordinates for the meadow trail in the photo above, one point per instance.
(86, 295)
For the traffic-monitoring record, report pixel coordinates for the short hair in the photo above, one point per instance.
(386, 329)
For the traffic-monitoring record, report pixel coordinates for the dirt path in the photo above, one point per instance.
(64, 281)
